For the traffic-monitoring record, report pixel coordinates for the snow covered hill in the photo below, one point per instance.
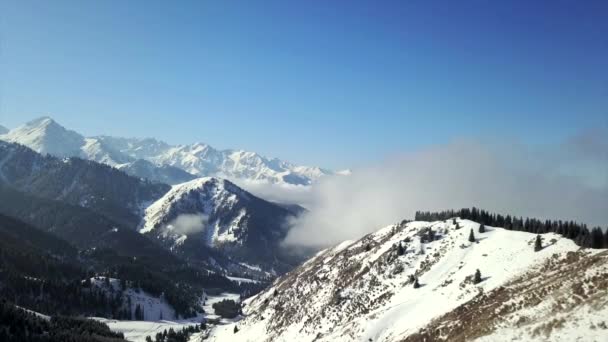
(3, 130)
(364, 290)
(213, 215)
(44, 135)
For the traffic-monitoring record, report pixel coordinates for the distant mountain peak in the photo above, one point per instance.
(41, 121)
(3, 130)
(45, 135)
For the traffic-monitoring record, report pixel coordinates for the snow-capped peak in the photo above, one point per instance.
(214, 214)
(201, 196)
(44, 135)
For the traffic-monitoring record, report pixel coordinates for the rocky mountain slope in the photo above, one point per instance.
(214, 214)
(83, 183)
(417, 282)
(163, 162)
(95, 205)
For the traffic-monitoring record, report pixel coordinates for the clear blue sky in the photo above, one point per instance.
(330, 83)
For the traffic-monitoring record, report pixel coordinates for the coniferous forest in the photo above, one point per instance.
(579, 233)
(19, 325)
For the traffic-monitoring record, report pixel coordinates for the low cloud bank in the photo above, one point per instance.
(565, 181)
(187, 224)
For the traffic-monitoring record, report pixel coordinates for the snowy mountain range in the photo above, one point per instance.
(157, 160)
(416, 281)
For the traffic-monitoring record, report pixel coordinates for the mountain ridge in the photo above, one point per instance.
(44, 135)
(392, 284)
(94, 205)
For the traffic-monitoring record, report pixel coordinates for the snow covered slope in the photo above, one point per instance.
(212, 214)
(46, 136)
(364, 290)
(153, 308)
(3, 130)
(203, 160)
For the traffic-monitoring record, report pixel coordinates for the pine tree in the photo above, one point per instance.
(236, 329)
(477, 277)
(139, 313)
(400, 250)
(416, 284)
(538, 244)
(482, 228)
(597, 238)
(472, 236)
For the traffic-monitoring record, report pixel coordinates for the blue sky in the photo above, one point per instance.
(335, 84)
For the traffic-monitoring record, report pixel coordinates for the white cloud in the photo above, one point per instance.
(187, 224)
(544, 182)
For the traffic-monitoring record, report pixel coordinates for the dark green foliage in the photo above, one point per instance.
(416, 283)
(538, 243)
(139, 313)
(482, 228)
(431, 235)
(471, 236)
(227, 308)
(400, 249)
(175, 336)
(43, 273)
(579, 233)
(597, 238)
(18, 325)
(236, 329)
(477, 277)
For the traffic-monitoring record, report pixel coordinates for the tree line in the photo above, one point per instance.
(577, 232)
(19, 325)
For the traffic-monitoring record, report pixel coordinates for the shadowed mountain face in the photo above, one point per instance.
(95, 205)
(83, 183)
